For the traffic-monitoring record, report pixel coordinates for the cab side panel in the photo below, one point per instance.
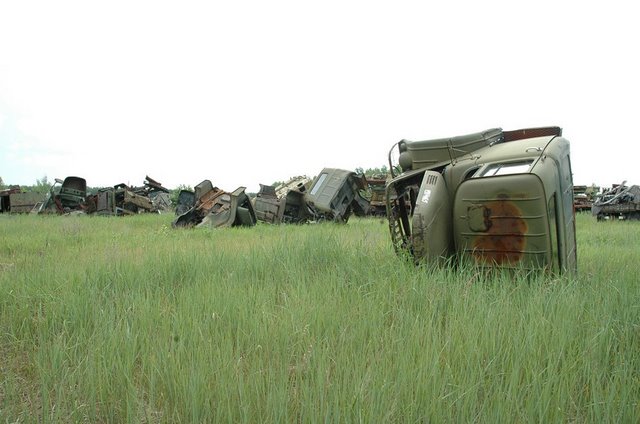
(502, 221)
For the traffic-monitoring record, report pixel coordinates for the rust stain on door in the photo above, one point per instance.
(503, 241)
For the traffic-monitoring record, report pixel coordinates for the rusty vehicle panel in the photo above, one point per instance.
(495, 198)
(217, 208)
(504, 227)
(14, 200)
(25, 202)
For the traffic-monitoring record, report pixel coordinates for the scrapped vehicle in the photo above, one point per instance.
(377, 185)
(494, 198)
(14, 200)
(618, 202)
(285, 203)
(335, 194)
(218, 208)
(124, 200)
(65, 196)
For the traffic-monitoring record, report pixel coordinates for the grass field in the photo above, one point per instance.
(128, 320)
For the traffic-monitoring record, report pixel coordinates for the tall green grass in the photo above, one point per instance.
(128, 320)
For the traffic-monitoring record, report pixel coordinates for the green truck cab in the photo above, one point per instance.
(493, 198)
(336, 193)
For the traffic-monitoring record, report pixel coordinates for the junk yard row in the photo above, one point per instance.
(495, 198)
(334, 195)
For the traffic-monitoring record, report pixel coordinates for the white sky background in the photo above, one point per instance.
(249, 92)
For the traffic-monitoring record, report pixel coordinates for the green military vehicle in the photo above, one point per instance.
(493, 198)
(335, 194)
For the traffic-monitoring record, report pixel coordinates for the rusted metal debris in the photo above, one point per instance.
(122, 199)
(70, 196)
(216, 208)
(618, 202)
(583, 197)
(377, 202)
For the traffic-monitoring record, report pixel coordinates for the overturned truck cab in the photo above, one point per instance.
(336, 193)
(494, 198)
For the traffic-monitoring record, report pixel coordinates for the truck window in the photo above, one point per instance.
(318, 184)
(506, 168)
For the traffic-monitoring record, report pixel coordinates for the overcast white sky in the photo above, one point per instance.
(248, 92)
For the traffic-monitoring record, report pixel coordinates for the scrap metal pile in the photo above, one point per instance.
(618, 202)
(70, 196)
(333, 195)
(124, 200)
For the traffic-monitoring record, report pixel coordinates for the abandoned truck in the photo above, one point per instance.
(618, 202)
(217, 208)
(335, 194)
(332, 196)
(493, 198)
